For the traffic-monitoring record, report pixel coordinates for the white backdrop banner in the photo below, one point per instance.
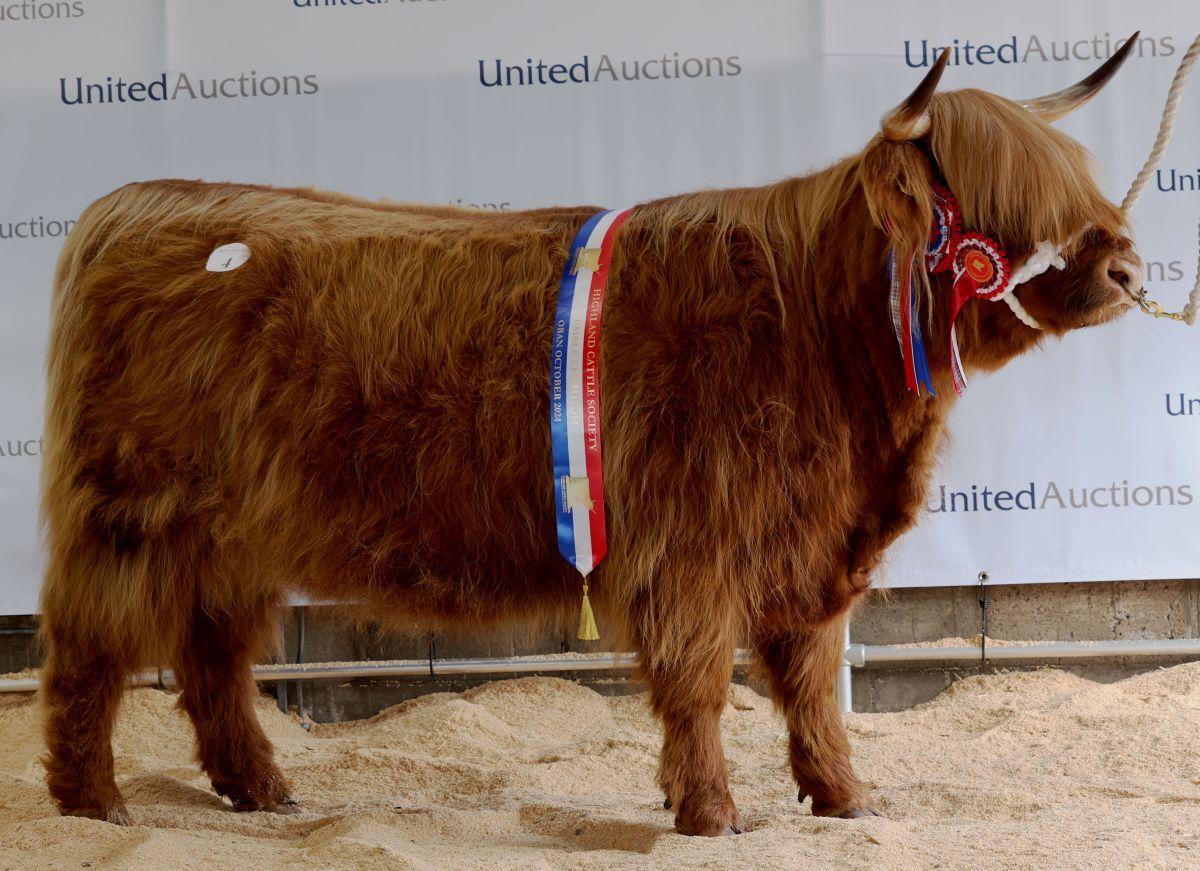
(1078, 462)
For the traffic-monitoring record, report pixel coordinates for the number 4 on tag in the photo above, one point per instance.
(228, 257)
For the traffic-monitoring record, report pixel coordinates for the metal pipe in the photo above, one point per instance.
(399, 668)
(440, 667)
(845, 678)
(19, 685)
(164, 678)
(300, 658)
(281, 687)
(857, 655)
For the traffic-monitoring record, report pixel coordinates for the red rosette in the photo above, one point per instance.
(981, 262)
(944, 231)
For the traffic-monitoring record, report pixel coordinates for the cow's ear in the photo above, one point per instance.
(897, 181)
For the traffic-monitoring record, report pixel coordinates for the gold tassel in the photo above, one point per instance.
(587, 620)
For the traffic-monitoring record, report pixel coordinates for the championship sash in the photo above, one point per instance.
(575, 394)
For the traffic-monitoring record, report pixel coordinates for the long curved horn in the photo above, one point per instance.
(1056, 105)
(910, 120)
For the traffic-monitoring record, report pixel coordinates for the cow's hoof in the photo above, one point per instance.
(245, 805)
(857, 813)
(246, 801)
(113, 812)
(849, 813)
(288, 806)
(731, 829)
(248, 805)
(702, 815)
(855, 809)
(118, 815)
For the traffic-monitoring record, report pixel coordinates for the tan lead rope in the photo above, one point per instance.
(1165, 128)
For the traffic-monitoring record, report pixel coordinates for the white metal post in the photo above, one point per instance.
(845, 684)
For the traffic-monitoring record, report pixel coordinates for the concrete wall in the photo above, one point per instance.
(1035, 612)
(18, 650)
(1045, 612)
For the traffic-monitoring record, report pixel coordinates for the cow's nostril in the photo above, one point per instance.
(1127, 273)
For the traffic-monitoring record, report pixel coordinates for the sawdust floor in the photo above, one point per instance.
(1032, 770)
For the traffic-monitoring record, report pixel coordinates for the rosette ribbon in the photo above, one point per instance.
(980, 270)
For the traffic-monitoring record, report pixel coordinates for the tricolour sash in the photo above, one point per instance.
(575, 394)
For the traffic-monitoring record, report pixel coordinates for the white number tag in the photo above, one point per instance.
(228, 257)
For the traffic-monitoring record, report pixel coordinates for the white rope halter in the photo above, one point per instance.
(1047, 254)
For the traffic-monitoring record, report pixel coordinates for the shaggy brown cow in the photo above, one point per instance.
(360, 412)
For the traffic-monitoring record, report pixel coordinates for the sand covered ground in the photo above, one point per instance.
(1033, 770)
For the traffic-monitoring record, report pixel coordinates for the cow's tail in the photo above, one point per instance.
(97, 588)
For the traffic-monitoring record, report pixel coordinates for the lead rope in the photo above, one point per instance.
(1165, 128)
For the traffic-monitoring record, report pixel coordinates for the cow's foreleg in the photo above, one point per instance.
(802, 668)
(213, 669)
(688, 689)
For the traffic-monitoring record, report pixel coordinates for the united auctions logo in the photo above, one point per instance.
(1020, 50)
(35, 228)
(1182, 405)
(496, 73)
(181, 85)
(20, 448)
(1172, 180)
(1039, 497)
(40, 11)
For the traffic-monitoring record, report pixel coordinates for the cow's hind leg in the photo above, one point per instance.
(82, 681)
(218, 693)
(802, 668)
(689, 686)
(93, 625)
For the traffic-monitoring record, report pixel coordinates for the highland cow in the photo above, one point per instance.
(360, 413)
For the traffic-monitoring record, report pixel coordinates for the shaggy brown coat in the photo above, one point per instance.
(360, 412)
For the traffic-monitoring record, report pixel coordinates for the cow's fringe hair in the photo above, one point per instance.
(1019, 180)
